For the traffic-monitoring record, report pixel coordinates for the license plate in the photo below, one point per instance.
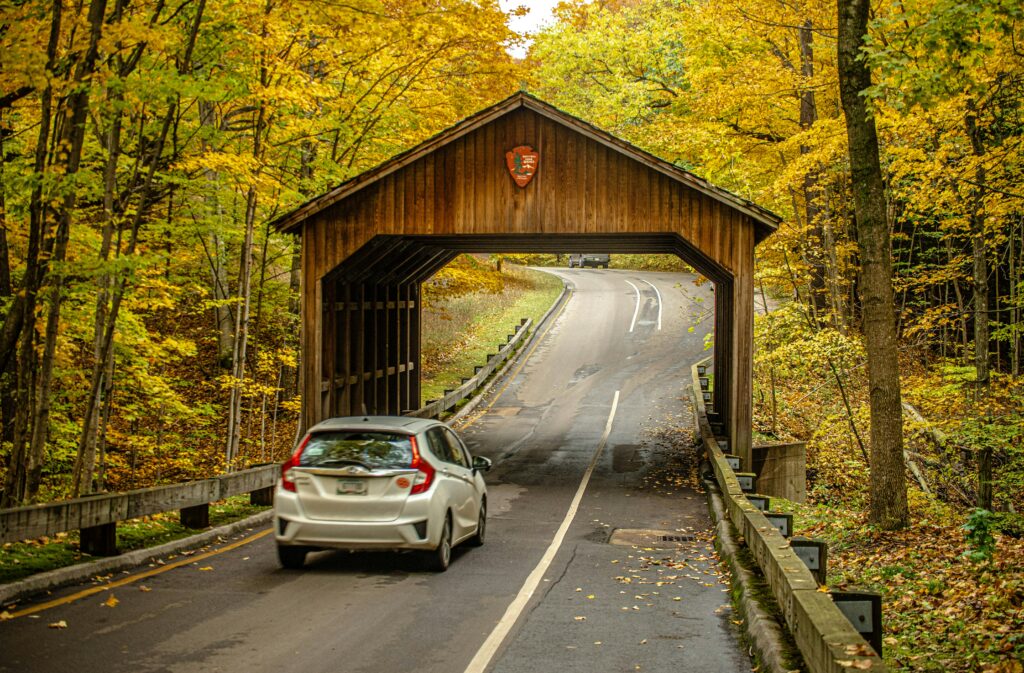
(351, 487)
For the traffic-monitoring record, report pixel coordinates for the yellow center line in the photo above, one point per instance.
(135, 578)
(494, 400)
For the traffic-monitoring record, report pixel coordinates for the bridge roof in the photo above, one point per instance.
(765, 222)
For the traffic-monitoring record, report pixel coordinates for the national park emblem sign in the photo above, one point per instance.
(522, 163)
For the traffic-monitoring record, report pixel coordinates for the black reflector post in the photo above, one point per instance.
(864, 610)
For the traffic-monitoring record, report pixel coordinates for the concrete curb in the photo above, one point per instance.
(77, 573)
(500, 374)
(764, 632)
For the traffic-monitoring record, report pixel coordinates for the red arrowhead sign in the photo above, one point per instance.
(522, 163)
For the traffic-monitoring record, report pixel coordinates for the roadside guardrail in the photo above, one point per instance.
(97, 515)
(825, 636)
(452, 398)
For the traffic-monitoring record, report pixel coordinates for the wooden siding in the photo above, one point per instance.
(462, 188)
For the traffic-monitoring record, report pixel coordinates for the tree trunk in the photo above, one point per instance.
(888, 474)
(8, 403)
(216, 254)
(1015, 303)
(86, 454)
(979, 268)
(68, 160)
(234, 429)
(814, 248)
(111, 210)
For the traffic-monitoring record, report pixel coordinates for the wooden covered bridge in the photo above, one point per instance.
(519, 176)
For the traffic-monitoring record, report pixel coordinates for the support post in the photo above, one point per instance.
(195, 517)
(98, 540)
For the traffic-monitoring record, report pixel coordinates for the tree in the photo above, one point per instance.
(888, 507)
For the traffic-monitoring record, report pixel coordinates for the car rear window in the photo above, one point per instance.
(372, 449)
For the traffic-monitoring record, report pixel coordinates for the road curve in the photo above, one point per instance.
(567, 470)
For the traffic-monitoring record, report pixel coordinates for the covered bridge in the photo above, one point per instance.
(519, 176)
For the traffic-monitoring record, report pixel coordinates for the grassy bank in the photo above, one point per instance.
(459, 333)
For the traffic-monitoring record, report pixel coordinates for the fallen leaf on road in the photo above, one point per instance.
(580, 619)
(207, 568)
(111, 601)
(58, 625)
(143, 587)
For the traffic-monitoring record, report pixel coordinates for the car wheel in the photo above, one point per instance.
(292, 558)
(439, 559)
(481, 526)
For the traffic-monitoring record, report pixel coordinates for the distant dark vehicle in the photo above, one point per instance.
(582, 259)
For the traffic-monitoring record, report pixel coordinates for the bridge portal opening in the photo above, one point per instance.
(518, 177)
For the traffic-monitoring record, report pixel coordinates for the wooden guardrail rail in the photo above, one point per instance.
(826, 638)
(92, 512)
(451, 398)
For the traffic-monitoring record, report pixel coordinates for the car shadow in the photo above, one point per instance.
(380, 564)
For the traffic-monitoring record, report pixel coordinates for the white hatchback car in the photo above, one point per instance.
(380, 482)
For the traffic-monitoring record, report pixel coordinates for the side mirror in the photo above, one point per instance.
(481, 464)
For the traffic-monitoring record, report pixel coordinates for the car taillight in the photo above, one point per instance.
(424, 470)
(287, 483)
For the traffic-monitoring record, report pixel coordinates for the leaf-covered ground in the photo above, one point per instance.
(941, 610)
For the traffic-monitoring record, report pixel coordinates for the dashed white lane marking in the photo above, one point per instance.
(486, 653)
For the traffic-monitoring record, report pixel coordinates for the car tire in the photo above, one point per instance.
(481, 527)
(440, 558)
(292, 558)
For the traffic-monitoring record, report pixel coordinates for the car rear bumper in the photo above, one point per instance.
(293, 528)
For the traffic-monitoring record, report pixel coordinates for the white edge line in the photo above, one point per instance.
(660, 302)
(486, 653)
(636, 311)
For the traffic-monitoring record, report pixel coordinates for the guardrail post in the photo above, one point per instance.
(197, 516)
(762, 502)
(864, 610)
(98, 540)
(781, 521)
(814, 554)
(746, 480)
(263, 497)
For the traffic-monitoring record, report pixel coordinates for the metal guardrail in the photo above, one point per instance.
(452, 398)
(24, 523)
(827, 640)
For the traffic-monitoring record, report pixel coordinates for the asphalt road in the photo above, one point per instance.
(589, 438)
